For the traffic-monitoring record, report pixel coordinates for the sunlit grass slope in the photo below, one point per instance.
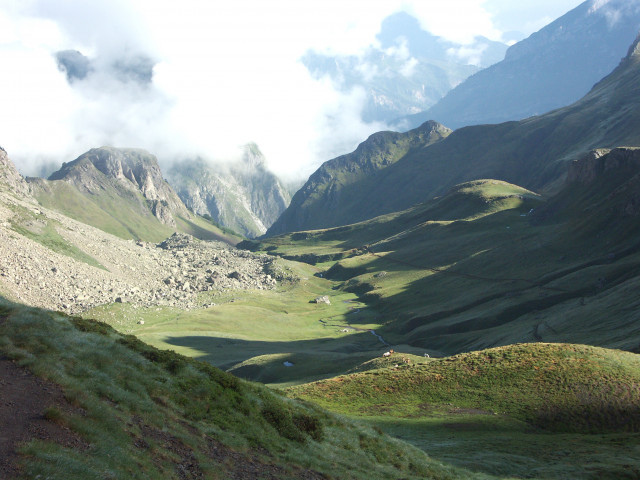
(558, 387)
(146, 413)
(551, 411)
(121, 212)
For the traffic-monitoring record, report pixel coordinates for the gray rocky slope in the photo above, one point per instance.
(245, 197)
(52, 261)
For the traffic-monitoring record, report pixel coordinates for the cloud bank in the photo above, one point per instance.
(194, 77)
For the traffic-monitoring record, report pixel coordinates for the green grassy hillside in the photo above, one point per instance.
(559, 387)
(491, 264)
(128, 410)
(494, 410)
(123, 213)
(321, 200)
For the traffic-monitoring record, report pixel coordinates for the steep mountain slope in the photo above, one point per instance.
(409, 72)
(321, 201)
(51, 261)
(550, 69)
(122, 192)
(533, 153)
(245, 197)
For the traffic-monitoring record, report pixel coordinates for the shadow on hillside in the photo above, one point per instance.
(264, 361)
(495, 281)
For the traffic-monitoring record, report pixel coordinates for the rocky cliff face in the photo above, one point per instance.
(597, 163)
(129, 171)
(10, 179)
(620, 168)
(245, 197)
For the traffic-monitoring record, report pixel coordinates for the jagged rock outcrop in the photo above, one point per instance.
(245, 196)
(596, 163)
(10, 178)
(619, 167)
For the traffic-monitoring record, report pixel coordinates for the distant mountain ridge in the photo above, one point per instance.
(244, 196)
(552, 68)
(409, 71)
(533, 153)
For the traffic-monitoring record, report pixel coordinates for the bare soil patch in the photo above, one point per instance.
(24, 398)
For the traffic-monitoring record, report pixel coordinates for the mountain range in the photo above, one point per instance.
(122, 192)
(552, 68)
(534, 153)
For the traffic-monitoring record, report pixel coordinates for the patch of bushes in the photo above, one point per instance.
(92, 326)
(168, 359)
(296, 426)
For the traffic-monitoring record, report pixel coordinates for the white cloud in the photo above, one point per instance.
(226, 73)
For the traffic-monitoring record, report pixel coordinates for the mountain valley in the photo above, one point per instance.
(437, 304)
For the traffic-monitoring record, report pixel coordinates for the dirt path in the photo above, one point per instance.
(24, 398)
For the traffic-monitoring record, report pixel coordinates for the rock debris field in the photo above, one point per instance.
(171, 273)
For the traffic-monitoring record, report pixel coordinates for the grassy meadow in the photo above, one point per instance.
(138, 412)
(254, 333)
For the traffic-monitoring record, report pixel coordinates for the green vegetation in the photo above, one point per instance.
(494, 410)
(139, 412)
(557, 387)
(488, 264)
(534, 152)
(341, 181)
(122, 214)
(252, 333)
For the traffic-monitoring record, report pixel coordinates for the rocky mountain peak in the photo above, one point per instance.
(244, 196)
(10, 178)
(252, 158)
(634, 50)
(134, 170)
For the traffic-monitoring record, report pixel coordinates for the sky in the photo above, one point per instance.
(224, 73)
